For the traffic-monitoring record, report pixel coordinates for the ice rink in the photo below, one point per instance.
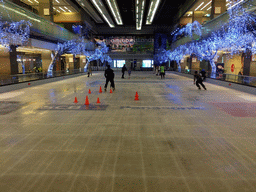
(175, 138)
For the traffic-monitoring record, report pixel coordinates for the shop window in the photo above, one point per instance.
(119, 63)
(147, 63)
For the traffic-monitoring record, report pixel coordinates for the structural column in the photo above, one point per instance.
(13, 60)
(218, 7)
(247, 62)
(46, 9)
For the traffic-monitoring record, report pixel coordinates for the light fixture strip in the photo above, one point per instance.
(205, 5)
(235, 4)
(152, 11)
(62, 9)
(209, 8)
(199, 6)
(139, 15)
(36, 1)
(101, 12)
(115, 11)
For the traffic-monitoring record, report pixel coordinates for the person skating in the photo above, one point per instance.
(109, 74)
(123, 71)
(198, 80)
(129, 72)
(162, 72)
(89, 71)
(203, 73)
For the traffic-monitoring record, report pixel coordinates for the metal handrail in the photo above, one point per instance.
(240, 79)
(19, 78)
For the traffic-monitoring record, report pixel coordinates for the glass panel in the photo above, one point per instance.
(147, 63)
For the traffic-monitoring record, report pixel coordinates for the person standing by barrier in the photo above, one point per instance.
(198, 80)
(123, 71)
(162, 72)
(129, 72)
(89, 71)
(109, 74)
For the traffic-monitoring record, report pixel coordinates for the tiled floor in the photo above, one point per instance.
(175, 138)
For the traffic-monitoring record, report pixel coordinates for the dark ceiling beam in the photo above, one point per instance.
(131, 30)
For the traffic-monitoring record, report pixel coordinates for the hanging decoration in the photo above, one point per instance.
(13, 33)
(99, 54)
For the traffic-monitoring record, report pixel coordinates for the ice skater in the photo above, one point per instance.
(123, 71)
(162, 72)
(198, 80)
(129, 72)
(109, 74)
(203, 73)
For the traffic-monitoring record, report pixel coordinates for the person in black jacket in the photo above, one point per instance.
(198, 80)
(109, 74)
(203, 73)
(123, 70)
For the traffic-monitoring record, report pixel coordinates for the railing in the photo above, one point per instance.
(240, 79)
(19, 78)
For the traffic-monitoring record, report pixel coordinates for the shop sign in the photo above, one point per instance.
(193, 60)
(182, 60)
(232, 68)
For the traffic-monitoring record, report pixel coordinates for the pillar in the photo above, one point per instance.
(247, 62)
(46, 60)
(218, 7)
(5, 65)
(46, 9)
(160, 41)
(13, 60)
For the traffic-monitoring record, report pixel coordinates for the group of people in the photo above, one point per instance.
(161, 70)
(109, 75)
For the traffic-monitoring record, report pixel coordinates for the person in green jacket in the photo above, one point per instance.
(162, 72)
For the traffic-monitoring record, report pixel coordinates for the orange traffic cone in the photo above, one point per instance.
(87, 101)
(98, 100)
(89, 91)
(110, 91)
(100, 90)
(136, 97)
(75, 100)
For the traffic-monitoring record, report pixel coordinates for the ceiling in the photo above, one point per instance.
(164, 19)
(60, 6)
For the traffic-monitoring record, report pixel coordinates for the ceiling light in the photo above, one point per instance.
(108, 20)
(140, 14)
(54, 8)
(65, 7)
(36, 1)
(205, 5)
(58, 11)
(62, 9)
(235, 4)
(152, 11)
(30, 1)
(209, 8)
(57, 1)
(115, 11)
(199, 6)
